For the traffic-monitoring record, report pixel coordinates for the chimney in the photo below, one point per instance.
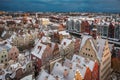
(64, 43)
(65, 74)
(94, 33)
(57, 78)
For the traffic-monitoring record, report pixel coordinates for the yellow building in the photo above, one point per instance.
(78, 76)
(44, 21)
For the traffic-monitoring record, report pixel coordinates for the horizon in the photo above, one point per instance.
(92, 6)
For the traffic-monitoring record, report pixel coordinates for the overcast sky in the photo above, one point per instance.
(61, 5)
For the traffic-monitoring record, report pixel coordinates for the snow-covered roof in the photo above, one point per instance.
(38, 52)
(84, 39)
(17, 21)
(21, 56)
(29, 77)
(3, 34)
(45, 39)
(6, 46)
(12, 37)
(101, 46)
(44, 75)
(58, 70)
(64, 33)
(65, 43)
(83, 61)
(15, 66)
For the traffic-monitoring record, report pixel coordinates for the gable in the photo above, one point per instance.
(88, 50)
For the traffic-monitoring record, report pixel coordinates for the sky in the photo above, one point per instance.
(61, 5)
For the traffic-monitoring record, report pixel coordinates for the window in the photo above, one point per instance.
(5, 59)
(83, 53)
(91, 55)
(5, 55)
(86, 48)
(1, 61)
(2, 56)
(89, 49)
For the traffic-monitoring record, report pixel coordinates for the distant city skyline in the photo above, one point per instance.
(61, 5)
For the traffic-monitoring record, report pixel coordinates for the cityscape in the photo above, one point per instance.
(47, 40)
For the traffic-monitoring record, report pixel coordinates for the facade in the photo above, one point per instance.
(117, 32)
(95, 72)
(13, 53)
(85, 27)
(79, 68)
(55, 37)
(76, 46)
(3, 56)
(97, 50)
(73, 25)
(55, 50)
(44, 21)
(111, 31)
(78, 76)
(26, 38)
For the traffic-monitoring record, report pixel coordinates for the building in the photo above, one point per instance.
(44, 21)
(103, 28)
(63, 35)
(77, 45)
(97, 50)
(67, 48)
(85, 27)
(73, 25)
(13, 53)
(3, 56)
(41, 54)
(45, 76)
(24, 38)
(79, 68)
(117, 32)
(111, 30)
(55, 50)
